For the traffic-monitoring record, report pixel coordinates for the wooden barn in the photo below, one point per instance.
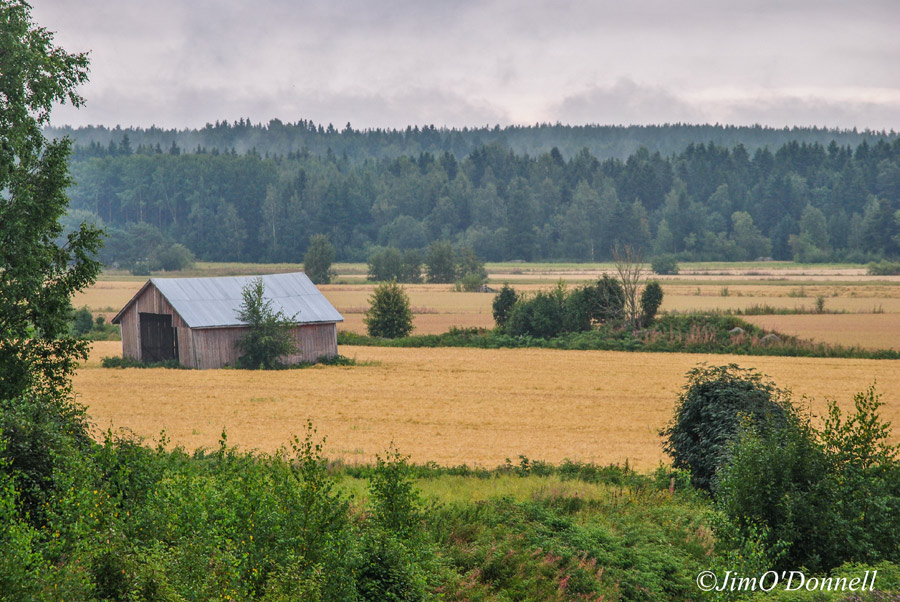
(195, 320)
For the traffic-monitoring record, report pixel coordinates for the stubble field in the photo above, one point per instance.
(449, 406)
(479, 407)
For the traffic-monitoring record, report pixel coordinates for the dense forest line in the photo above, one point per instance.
(805, 201)
(602, 141)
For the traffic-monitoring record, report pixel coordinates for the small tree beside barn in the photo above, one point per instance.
(196, 321)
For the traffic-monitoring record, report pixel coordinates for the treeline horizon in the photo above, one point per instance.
(276, 138)
(801, 200)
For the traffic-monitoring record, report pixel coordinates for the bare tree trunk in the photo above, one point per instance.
(630, 268)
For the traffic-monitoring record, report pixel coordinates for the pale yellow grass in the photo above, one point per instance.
(450, 406)
(871, 331)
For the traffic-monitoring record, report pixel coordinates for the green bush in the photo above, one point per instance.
(389, 314)
(883, 268)
(82, 322)
(664, 265)
(542, 315)
(708, 415)
(823, 497)
(172, 258)
(471, 282)
(503, 304)
(269, 336)
(651, 299)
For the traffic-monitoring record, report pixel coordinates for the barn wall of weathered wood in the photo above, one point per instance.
(217, 347)
(150, 300)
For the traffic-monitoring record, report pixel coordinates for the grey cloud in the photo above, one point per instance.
(627, 103)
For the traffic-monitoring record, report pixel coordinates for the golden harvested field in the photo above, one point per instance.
(450, 406)
(438, 307)
(871, 331)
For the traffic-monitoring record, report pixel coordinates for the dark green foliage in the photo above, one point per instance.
(388, 263)
(389, 315)
(822, 498)
(693, 333)
(40, 272)
(82, 321)
(609, 300)
(269, 335)
(503, 303)
(172, 258)
(651, 299)
(542, 316)
(664, 265)
(883, 268)
(440, 262)
(394, 555)
(318, 259)
(507, 195)
(709, 413)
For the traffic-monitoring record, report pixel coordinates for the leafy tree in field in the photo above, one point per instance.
(385, 263)
(39, 275)
(821, 498)
(411, 267)
(543, 315)
(503, 304)
(440, 263)
(388, 263)
(173, 258)
(664, 264)
(41, 268)
(651, 299)
(389, 313)
(318, 259)
(709, 413)
(269, 335)
(82, 321)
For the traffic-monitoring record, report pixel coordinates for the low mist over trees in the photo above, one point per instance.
(835, 197)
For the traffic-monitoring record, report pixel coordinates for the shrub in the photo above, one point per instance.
(82, 322)
(883, 268)
(664, 265)
(471, 282)
(503, 304)
(824, 497)
(318, 259)
(389, 314)
(140, 268)
(709, 413)
(651, 299)
(610, 300)
(541, 316)
(269, 334)
(173, 258)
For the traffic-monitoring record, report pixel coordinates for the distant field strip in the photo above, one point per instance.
(448, 405)
(437, 307)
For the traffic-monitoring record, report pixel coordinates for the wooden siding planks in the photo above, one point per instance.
(210, 348)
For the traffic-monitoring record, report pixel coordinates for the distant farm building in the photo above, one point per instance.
(195, 320)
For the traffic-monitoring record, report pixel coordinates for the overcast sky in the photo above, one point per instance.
(393, 63)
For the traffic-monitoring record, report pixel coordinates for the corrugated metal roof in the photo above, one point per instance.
(211, 302)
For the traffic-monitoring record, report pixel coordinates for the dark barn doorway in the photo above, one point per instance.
(158, 340)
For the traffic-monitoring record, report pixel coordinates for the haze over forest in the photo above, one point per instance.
(252, 192)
